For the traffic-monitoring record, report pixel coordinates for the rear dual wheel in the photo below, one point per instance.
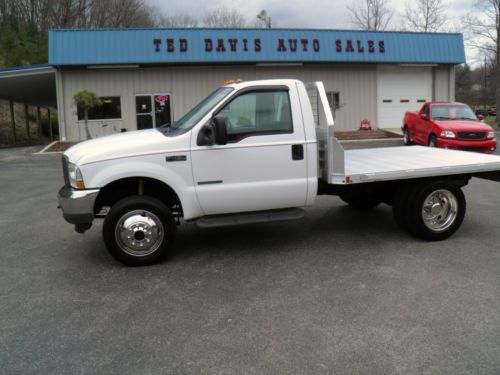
(431, 210)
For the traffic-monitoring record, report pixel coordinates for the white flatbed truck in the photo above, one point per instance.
(254, 152)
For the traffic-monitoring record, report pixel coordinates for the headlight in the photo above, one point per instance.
(491, 135)
(75, 176)
(447, 134)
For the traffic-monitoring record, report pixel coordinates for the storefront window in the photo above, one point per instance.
(110, 109)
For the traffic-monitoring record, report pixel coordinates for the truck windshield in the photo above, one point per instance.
(191, 118)
(452, 112)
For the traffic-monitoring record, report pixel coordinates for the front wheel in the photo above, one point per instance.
(139, 230)
(406, 137)
(436, 211)
(433, 141)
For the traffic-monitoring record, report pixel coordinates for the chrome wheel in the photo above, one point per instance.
(440, 210)
(139, 233)
(432, 142)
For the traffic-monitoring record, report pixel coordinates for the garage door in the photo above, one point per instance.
(401, 89)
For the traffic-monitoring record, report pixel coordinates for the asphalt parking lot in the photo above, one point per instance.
(339, 292)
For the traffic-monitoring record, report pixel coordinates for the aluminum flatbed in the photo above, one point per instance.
(346, 167)
(405, 162)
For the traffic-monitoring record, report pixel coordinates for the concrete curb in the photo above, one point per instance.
(372, 140)
(44, 151)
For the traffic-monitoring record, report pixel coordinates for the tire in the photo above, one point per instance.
(150, 233)
(432, 141)
(361, 201)
(406, 137)
(435, 210)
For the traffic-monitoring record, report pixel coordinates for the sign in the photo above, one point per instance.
(161, 98)
(291, 45)
(204, 45)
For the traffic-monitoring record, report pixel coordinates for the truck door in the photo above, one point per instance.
(422, 126)
(263, 165)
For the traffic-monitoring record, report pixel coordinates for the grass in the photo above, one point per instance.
(490, 120)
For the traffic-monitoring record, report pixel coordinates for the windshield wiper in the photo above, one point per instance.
(441, 118)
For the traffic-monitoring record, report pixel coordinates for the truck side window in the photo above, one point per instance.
(258, 113)
(425, 111)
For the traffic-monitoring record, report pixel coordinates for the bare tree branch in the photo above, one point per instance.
(225, 17)
(371, 14)
(425, 15)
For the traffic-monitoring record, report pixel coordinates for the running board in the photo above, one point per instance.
(250, 218)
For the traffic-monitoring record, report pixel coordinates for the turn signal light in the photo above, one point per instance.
(231, 81)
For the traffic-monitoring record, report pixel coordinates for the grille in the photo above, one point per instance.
(65, 170)
(474, 149)
(471, 135)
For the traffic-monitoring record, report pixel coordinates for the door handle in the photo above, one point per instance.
(297, 152)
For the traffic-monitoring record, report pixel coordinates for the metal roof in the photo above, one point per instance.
(174, 46)
(35, 84)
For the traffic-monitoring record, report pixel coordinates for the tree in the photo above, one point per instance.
(483, 30)
(225, 17)
(87, 100)
(371, 14)
(425, 15)
(183, 20)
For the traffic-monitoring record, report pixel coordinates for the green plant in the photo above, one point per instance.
(44, 121)
(87, 100)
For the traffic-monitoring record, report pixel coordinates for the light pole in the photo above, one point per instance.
(264, 17)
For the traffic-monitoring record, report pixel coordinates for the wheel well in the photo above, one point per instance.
(119, 189)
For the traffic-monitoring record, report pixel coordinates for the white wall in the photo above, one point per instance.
(356, 84)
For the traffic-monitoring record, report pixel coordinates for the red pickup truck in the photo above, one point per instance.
(448, 125)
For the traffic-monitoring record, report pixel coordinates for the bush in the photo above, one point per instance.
(45, 126)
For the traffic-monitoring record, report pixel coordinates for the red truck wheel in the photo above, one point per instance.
(406, 137)
(433, 141)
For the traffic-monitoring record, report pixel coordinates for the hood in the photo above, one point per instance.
(126, 144)
(464, 125)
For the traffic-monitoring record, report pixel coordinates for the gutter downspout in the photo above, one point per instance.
(61, 108)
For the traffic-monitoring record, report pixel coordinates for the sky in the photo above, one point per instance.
(332, 14)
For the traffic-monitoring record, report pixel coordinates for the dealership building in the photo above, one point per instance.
(148, 77)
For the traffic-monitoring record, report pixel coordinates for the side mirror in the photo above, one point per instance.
(480, 117)
(423, 116)
(206, 136)
(220, 128)
(213, 133)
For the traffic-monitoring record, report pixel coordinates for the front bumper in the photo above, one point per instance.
(77, 205)
(487, 146)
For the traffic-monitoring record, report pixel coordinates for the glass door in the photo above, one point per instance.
(152, 110)
(143, 110)
(162, 109)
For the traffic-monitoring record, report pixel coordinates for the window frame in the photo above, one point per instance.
(235, 138)
(105, 119)
(334, 105)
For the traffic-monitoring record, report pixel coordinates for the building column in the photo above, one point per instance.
(27, 118)
(13, 122)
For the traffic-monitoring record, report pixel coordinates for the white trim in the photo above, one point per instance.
(27, 72)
